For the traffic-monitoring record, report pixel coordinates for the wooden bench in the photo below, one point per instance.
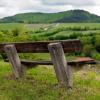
(74, 63)
(56, 50)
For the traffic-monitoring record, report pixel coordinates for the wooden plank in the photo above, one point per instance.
(60, 65)
(69, 46)
(14, 60)
(71, 63)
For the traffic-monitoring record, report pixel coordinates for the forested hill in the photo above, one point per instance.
(72, 16)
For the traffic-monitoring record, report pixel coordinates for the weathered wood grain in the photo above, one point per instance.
(14, 60)
(71, 63)
(60, 65)
(69, 46)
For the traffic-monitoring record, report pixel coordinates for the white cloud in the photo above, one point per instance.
(69, 2)
(11, 7)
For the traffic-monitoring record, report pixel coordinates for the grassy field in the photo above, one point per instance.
(10, 26)
(6, 26)
(40, 83)
(37, 32)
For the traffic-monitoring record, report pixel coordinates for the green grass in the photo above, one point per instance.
(37, 26)
(10, 26)
(41, 84)
(92, 25)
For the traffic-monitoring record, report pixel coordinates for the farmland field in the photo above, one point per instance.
(88, 33)
(40, 83)
(6, 26)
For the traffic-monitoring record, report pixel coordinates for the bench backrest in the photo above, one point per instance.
(42, 47)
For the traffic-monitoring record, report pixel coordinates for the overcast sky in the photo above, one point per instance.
(11, 7)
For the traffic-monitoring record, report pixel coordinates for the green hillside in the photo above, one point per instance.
(61, 17)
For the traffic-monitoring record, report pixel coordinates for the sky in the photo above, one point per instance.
(12, 7)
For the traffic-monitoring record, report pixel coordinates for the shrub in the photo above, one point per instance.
(39, 30)
(1, 34)
(15, 32)
(88, 50)
(96, 56)
(86, 40)
(59, 37)
(75, 35)
(97, 43)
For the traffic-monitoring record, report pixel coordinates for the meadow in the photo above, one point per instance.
(88, 33)
(40, 83)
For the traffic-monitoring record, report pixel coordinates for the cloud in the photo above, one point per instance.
(69, 2)
(11, 7)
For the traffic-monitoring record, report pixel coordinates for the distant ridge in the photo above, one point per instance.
(71, 16)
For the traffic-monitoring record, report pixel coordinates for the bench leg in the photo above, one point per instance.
(62, 70)
(14, 60)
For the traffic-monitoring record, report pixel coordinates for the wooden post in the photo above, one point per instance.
(14, 60)
(60, 65)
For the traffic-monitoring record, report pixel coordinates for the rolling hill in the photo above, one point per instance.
(71, 16)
